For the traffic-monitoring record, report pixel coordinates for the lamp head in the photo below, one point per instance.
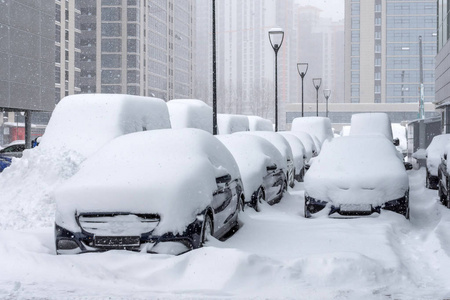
(276, 36)
(317, 82)
(302, 68)
(327, 93)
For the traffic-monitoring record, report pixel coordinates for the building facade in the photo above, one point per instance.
(442, 100)
(382, 55)
(137, 47)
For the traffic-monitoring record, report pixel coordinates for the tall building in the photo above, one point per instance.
(137, 47)
(382, 61)
(67, 48)
(442, 100)
(27, 77)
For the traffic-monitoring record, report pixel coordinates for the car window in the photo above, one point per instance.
(13, 148)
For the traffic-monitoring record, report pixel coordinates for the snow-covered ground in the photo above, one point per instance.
(277, 254)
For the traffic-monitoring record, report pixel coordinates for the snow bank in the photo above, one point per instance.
(357, 170)
(315, 126)
(434, 152)
(228, 124)
(190, 113)
(307, 141)
(79, 126)
(371, 123)
(253, 155)
(259, 124)
(298, 150)
(166, 172)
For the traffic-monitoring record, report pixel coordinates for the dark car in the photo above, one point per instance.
(14, 149)
(261, 165)
(173, 190)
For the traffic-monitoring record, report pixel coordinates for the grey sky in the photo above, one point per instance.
(331, 8)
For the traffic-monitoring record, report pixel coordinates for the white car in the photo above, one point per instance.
(261, 165)
(171, 190)
(319, 127)
(298, 152)
(190, 113)
(285, 149)
(357, 175)
(310, 147)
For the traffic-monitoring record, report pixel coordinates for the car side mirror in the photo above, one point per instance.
(272, 167)
(223, 179)
(396, 141)
(408, 165)
(445, 156)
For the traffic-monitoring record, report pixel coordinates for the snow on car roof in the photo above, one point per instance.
(371, 123)
(298, 150)
(253, 154)
(167, 172)
(227, 123)
(277, 140)
(16, 142)
(85, 122)
(307, 142)
(259, 124)
(317, 126)
(357, 169)
(190, 113)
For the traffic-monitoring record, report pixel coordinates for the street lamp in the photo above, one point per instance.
(302, 68)
(276, 36)
(317, 82)
(326, 94)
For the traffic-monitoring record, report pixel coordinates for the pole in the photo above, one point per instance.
(421, 101)
(326, 113)
(276, 90)
(214, 67)
(302, 96)
(317, 101)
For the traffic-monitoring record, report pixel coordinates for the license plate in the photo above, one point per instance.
(117, 241)
(356, 208)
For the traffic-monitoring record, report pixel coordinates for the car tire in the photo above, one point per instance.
(306, 212)
(427, 180)
(260, 197)
(207, 229)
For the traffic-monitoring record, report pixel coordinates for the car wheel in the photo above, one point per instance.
(260, 197)
(285, 186)
(207, 229)
(306, 212)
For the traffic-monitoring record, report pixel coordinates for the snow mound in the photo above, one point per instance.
(434, 152)
(228, 124)
(259, 124)
(315, 126)
(79, 126)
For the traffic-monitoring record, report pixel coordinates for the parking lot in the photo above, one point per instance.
(276, 254)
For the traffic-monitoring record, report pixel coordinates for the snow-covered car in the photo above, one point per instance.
(444, 175)
(228, 123)
(433, 158)
(259, 124)
(298, 152)
(171, 191)
(5, 162)
(285, 149)
(261, 166)
(190, 113)
(319, 127)
(371, 123)
(14, 149)
(357, 175)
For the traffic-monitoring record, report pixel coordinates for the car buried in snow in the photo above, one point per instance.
(356, 176)
(433, 159)
(261, 166)
(174, 189)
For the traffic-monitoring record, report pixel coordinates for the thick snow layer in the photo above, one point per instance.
(259, 124)
(228, 124)
(253, 154)
(79, 126)
(371, 123)
(357, 170)
(190, 113)
(298, 150)
(277, 140)
(307, 141)
(315, 126)
(435, 151)
(166, 172)
(276, 254)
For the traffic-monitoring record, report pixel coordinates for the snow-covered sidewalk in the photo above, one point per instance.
(277, 254)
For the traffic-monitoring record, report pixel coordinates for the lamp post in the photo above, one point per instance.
(317, 82)
(326, 94)
(276, 36)
(214, 75)
(302, 68)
